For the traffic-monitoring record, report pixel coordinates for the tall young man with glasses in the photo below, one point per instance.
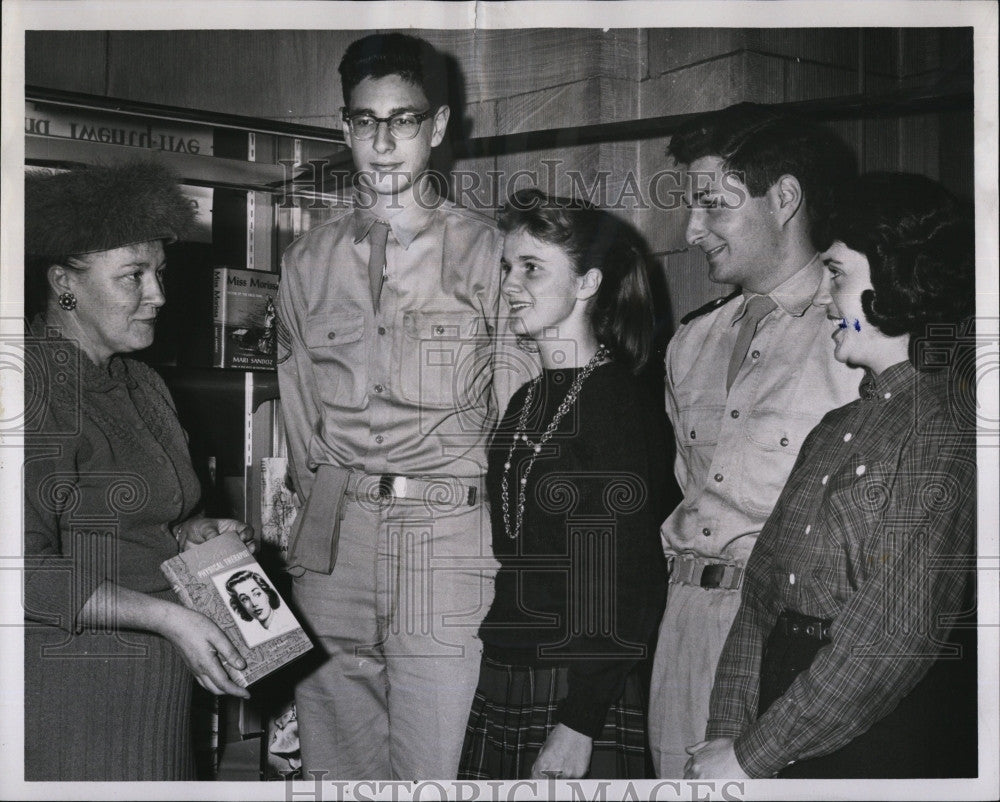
(386, 363)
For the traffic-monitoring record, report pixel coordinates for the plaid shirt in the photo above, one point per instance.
(874, 530)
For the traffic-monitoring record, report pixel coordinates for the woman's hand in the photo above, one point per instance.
(565, 755)
(205, 648)
(195, 531)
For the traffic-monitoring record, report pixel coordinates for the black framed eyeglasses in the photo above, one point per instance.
(402, 125)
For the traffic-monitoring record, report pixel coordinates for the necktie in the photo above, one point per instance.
(758, 308)
(377, 236)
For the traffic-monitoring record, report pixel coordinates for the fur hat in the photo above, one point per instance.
(102, 208)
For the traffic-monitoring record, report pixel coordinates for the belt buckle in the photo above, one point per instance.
(391, 485)
(712, 575)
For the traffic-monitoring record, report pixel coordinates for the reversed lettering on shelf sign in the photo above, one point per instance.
(115, 129)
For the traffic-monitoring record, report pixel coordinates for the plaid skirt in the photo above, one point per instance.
(514, 709)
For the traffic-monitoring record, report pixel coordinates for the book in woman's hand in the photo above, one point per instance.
(220, 579)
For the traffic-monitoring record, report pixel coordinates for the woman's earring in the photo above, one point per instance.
(67, 301)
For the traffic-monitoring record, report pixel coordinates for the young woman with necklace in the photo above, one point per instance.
(576, 474)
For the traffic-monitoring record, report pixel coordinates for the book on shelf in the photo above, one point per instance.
(243, 332)
(284, 754)
(221, 579)
(277, 504)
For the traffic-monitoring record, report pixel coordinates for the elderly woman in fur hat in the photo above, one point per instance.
(109, 490)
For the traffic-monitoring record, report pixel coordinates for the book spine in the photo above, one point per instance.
(178, 586)
(219, 299)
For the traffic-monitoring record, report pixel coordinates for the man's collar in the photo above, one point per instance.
(794, 295)
(405, 222)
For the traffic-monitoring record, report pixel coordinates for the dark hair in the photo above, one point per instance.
(920, 245)
(409, 57)
(760, 146)
(621, 313)
(241, 576)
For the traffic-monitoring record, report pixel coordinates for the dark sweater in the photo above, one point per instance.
(583, 585)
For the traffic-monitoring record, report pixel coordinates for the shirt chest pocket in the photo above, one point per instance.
(774, 438)
(444, 358)
(699, 426)
(336, 350)
(698, 434)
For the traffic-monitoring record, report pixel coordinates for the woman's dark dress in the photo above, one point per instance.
(106, 474)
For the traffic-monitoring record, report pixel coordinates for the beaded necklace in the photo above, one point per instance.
(520, 434)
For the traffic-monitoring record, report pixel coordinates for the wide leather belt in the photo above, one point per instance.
(705, 573)
(435, 490)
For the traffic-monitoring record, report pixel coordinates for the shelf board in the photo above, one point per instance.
(197, 170)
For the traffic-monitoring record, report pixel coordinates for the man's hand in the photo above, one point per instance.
(195, 531)
(565, 754)
(713, 760)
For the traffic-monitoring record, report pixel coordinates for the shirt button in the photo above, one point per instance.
(791, 579)
(735, 413)
(887, 396)
(692, 434)
(161, 460)
(825, 479)
(860, 470)
(331, 335)
(755, 354)
(439, 329)
(381, 329)
(718, 477)
(809, 528)
(379, 388)
(706, 532)
(379, 439)
(847, 437)
(784, 441)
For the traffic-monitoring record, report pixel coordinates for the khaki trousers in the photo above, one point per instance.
(398, 620)
(692, 633)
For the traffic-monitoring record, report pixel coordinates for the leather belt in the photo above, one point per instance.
(803, 627)
(435, 490)
(315, 537)
(705, 573)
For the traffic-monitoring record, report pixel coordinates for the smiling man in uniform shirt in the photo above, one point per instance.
(747, 377)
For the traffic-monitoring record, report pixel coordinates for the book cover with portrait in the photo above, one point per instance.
(221, 579)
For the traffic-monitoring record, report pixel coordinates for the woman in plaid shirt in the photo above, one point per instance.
(853, 653)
